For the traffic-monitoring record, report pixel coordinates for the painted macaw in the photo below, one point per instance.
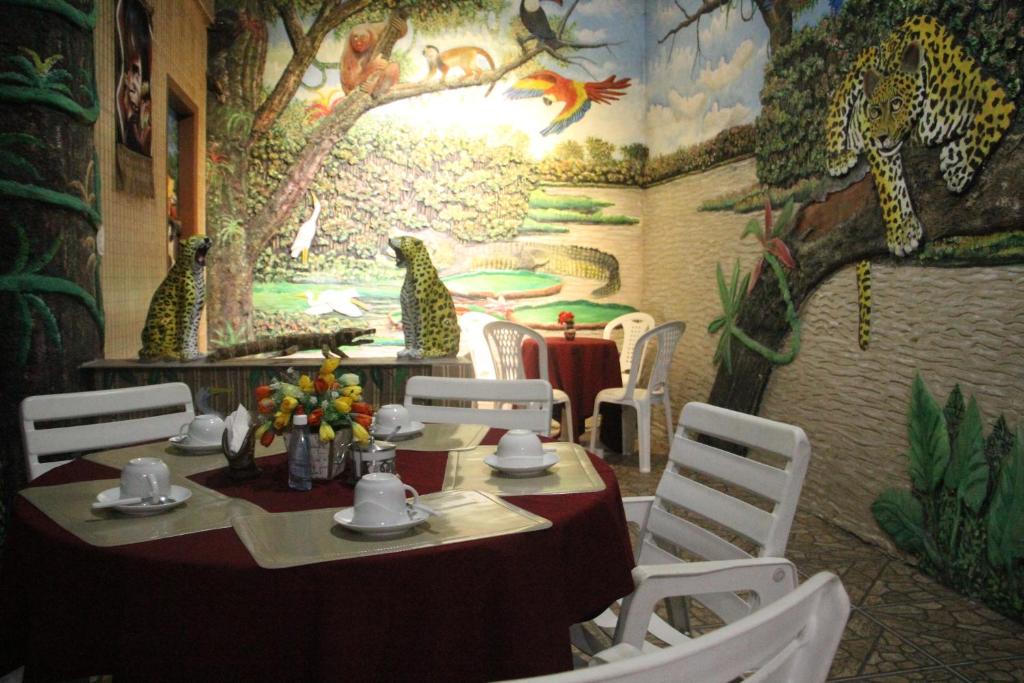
(535, 19)
(575, 95)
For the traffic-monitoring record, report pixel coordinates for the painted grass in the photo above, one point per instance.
(290, 297)
(585, 312)
(501, 281)
(531, 226)
(565, 216)
(750, 199)
(542, 200)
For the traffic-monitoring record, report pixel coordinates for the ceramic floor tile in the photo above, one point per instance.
(1009, 670)
(900, 583)
(867, 648)
(954, 632)
(932, 675)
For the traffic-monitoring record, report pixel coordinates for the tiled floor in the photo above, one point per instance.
(904, 626)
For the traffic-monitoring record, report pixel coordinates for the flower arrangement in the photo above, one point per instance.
(330, 400)
(566, 318)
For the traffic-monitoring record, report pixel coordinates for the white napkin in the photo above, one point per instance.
(237, 424)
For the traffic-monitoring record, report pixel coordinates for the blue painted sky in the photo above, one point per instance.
(675, 100)
(692, 97)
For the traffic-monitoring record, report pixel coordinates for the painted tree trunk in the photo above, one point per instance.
(847, 227)
(51, 316)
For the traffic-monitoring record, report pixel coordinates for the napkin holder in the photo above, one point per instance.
(241, 464)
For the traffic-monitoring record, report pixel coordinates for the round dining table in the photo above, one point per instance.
(198, 607)
(581, 368)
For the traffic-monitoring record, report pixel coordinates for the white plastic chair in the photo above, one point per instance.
(473, 344)
(505, 340)
(109, 434)
(632, 325)
(641, 398)
(531, 396)
(660, 517)
(793, 638)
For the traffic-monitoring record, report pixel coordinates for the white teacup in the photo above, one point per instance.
(203, 430)
(391, 417)
(380, 500)
(145, 477)
(520, 443)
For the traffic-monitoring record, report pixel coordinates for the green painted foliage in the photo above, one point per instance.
(929, 439)
(731, 143)
(377, 181)
(968, 532)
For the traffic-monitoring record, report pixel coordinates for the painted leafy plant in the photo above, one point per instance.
(25, 281)
(770, 239)
(731, 296)
(964, 513)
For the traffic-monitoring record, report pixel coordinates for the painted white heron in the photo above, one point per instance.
(307, 230)
(341, 301)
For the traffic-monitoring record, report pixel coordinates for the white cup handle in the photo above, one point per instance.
(415, 498)
(154, 488)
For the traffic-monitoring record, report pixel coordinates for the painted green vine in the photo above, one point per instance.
(62, 8)
(35, 81)
(776, 254)
(26, 283)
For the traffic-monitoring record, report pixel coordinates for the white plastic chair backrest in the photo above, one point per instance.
(667, 335)
(633, 325)
(472, 342)
(505, 340)
(110, 434)
(768, 530)
(533, 396)
(793, 639)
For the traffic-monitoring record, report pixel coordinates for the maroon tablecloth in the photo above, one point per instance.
(198, 608)
(580, 368)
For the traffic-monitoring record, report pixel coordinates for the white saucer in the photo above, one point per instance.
(179, 493)
(416, 517)
(184, 443)
(414, 429)
(518, 466)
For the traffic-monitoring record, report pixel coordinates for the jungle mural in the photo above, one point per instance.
(869, 132)
(487, 129)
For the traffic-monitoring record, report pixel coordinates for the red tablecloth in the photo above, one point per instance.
(580, 368)
(197, 607)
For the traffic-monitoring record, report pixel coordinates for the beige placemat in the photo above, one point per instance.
(290, 539)
(69, 506)
(573, 473)
(181, 464)
(445, 437)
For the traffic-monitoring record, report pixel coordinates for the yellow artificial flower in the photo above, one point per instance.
(306, 384)
(326, 432)
(343, 404)
(288, 404)
(349, 379)
(359, 433)
(281, 421)
(329, 366)
(353, 391)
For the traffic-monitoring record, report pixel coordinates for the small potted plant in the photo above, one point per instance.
(568, 322)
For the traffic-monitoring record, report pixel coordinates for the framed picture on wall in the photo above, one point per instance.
(133, 62)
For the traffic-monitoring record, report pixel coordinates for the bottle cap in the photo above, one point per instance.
(300, 420)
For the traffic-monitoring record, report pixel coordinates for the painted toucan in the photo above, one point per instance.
(575, 95)
(536, 21)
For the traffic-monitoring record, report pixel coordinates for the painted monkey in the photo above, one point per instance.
(464, 58)
(356, 67)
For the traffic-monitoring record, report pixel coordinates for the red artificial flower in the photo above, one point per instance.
(315, 416)
(566, 317)
(263, 391)
(320, 385)
(268, 437)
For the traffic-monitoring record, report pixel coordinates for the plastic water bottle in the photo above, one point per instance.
(300, 465)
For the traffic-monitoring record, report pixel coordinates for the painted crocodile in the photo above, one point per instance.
(559, 259)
